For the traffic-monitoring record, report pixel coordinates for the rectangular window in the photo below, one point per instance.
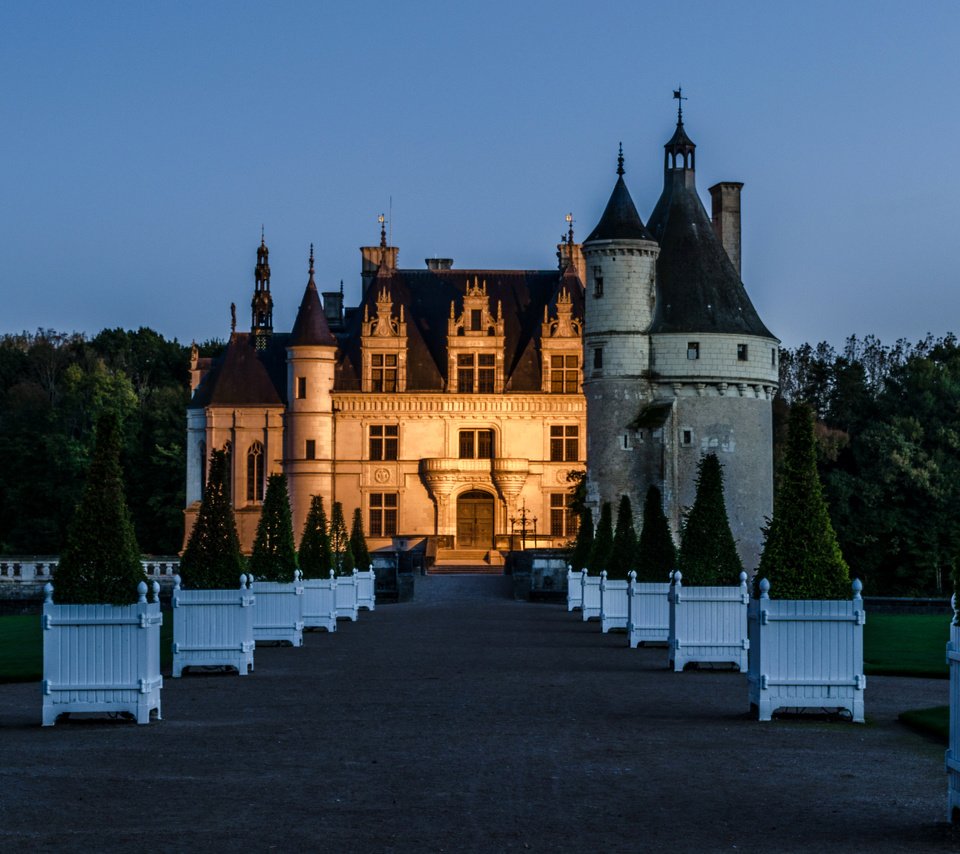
(476, 444)
(773, 357)
(564, 443)
(384, 511)
(564, 374)
(383, 375)
(686, 437)
(598, 281)
(301, 392)
(598, 358)
(384, 441)
(476, 320)
(693, 350)
(311, 449)
(563, 521)
(465, 373)
(486, 372)
(742, 352)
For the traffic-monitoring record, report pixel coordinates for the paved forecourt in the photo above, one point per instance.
(467, 721)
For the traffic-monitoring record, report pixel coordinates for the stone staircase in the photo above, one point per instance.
(467, 562)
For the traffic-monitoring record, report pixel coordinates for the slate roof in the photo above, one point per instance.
(620, 220)
(244, 376)
(311, 327)
(698, 288)
(426, 296)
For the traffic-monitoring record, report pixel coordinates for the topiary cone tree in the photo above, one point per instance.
(801, 557)
(273, 557)
(100, 563)
(212, 559)
(358, 542)
(602, 541)
(339, 541)
(657, 553)
(584, 541)
(623, 554)
(708, 552)
(315, 557)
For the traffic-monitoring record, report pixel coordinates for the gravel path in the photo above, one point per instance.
(469, 722)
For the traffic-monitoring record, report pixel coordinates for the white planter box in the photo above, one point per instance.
(574, 590)
(953, 746)
(806, 653)
(319, 604)
(648, 612)
(102, 658)
(613, 603)
(278, 613)
(708, 624)
(213, 628)
(346, 596)
(366, 589)
(589, 596)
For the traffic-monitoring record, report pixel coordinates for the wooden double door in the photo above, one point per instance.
(475, 511)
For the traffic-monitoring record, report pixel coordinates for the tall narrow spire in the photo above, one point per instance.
(620, 169)
(383, 231)
(261, 324)
(310, 267)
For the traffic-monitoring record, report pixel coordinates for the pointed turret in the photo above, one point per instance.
(311, 328)
(620, 220)
(261, 305)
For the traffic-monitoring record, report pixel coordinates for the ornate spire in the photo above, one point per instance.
(261, 306)
(383, 231)
(620, 169)
(310, 268)
(569, 219)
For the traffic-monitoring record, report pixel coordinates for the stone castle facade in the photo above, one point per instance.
(451, 406)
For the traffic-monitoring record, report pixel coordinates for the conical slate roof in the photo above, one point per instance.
(620, 220)
(243, 375)
(311, 328)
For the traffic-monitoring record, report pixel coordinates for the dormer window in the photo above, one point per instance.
(384, 345)
(475, 338)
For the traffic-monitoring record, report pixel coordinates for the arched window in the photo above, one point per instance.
(255, 472)
(202, 448)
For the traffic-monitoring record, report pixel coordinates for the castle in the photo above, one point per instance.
(451, 406)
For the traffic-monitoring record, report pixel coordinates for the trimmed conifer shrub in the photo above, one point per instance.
(708, 552)
(274, 557)
(623, 554)
(801, 557)
(657, 552)
(315, 557)
(584, 541)
(339, 540)
(602, 541)
(212, 559)
(100, 563)
(358, 543)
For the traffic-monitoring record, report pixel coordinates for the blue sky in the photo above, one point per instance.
(143, 146)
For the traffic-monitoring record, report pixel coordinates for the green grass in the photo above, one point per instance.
(21, 647)
(906, 645)
(934, 722)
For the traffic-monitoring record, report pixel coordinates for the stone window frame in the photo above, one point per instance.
(255, 472)
(300, 390)
(382, 441)
(743, 353)
(563, 521)
(310, 449)
(693, 350)
(383, 514)
(563, 443)
(478, 448)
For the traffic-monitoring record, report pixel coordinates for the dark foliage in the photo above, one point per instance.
(358, 543)
(340, 542)
(315, 556)
(708, 553)
(212, 559)
(101, 561)
(801, 558)
(583, 544)
(657, 551)
(273, 557)
(602, 541)
(623, 554)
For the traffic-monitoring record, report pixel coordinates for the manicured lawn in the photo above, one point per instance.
(906, 644)
(934, 722)
(21, 647)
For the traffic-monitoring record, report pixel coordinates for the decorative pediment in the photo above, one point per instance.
(565, 325)
(384, 325)
(476, 318)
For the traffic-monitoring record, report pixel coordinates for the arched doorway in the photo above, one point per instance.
(475, 520)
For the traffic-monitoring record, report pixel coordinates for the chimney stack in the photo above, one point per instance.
(725, 198)
(439, 263)
(333, 308)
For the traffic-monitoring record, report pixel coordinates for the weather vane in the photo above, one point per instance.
(678, 94)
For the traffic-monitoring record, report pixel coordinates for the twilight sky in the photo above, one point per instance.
(143, 146)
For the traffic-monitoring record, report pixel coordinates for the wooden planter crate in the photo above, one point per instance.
(648, 612)
(806, 653)
(346, 596)
(589, 596)
(708, 624)
(574, 589)
(319, 603)
(102, 658)
(278, 613)
(953, 748)
(366, 589)
(213, 628)
(613, 603)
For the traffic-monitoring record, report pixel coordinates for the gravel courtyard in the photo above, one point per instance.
(466, 721)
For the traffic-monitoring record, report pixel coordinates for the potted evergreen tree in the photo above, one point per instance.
(316, 560)
(613, 584)
(278, 615)
(578, 559)
(343, 566)
(806, 648)
(212, 615)
(648, 608)
(101, 640)
(708, 620)
(366, 578)
(597, 562)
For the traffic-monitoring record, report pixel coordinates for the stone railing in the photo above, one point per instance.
(41, 568)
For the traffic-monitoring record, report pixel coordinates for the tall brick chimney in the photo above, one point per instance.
(725, 199)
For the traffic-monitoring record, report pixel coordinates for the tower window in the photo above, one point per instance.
(773, 357)
(310, 449)
(693, 349)
(686, 437)
(598, 281)
(301, 392)
(383, 376)
(564, 374)
(598, 358)
(255, 472)
(742, 352)
(476, 444)
(564, 443)
(384, 441)
(384, 509)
